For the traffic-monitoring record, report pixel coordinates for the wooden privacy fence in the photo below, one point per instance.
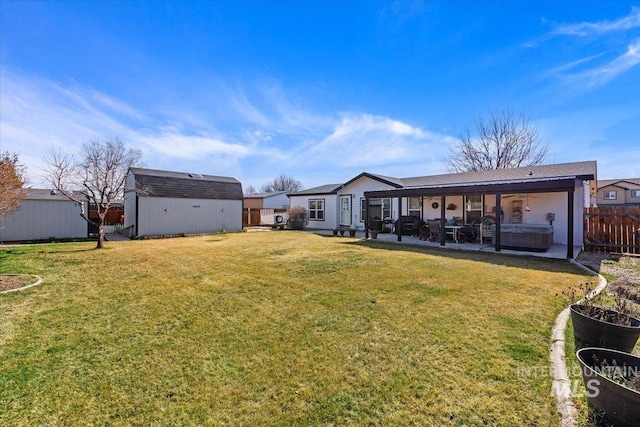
(114, 215)
(612, 229)
(251, 216)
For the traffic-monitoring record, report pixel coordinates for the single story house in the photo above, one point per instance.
(275, 200)
(618, 192)
(165, 203)
(548, 194)
(42, 215)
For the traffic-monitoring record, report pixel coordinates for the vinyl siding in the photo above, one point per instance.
(159, 216)
(43, 219)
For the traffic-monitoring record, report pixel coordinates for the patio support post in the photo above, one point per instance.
(570, 196)
(399, 229)
(366, 217)
(498, 218)
(443, 220)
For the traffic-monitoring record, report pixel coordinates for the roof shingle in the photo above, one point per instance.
(182, 185)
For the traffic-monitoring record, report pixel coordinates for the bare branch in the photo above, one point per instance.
(282, 183)
(97, 176)
(504, 140)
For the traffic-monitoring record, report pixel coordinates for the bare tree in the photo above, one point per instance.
(12, 180)
(282, 183)
(504, 140)
(98, 174)
(250, 190)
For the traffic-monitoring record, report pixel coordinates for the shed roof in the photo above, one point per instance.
(182, 185)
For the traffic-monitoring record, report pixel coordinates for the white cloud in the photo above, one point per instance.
(596, 28)
(573, 64)
(171, 142)
(365, 140)
(604, 73)
(269, 136)
(37, 114)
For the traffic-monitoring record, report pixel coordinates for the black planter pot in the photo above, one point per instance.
(352, 233)
(619, 405)
(591, 332)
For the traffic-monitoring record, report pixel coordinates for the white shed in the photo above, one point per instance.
(164, 203)
(43, 215)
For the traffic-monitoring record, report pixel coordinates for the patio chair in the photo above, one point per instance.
(434, 230)
(467, 234)
(486, 229)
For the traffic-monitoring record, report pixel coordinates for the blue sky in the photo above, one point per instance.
(320, 91)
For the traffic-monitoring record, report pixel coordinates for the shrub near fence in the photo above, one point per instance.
(612, 229)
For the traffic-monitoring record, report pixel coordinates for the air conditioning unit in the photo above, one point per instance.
(269, 217)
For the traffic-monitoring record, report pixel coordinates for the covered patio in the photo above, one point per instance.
(556, 191)
(556, 252)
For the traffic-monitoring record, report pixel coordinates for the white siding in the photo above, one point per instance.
(357, 189)
(330, 209)
(276, 202)
(159, 216)
(44, 219)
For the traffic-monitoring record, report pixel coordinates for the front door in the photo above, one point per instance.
(345, 210)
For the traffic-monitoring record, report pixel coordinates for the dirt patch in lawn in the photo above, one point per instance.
(9, 282)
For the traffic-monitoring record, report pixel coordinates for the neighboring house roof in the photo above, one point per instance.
(264, 195)
(182, 185)
(577, 170)
(626, 183)
(46, 194)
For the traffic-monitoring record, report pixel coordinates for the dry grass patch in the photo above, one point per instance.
(282, 328)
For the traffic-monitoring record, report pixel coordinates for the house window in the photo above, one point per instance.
(379, 208)
(473, 209)
(316, 209)
(635, 193)
(363, 213)
(611, 195)
(415, 207)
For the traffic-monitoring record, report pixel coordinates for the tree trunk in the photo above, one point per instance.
(100, 243)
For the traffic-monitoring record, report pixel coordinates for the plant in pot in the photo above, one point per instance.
(612, 382)
(352, 231)
(594, 325)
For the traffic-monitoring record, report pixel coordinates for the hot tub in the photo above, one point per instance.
(525, 237)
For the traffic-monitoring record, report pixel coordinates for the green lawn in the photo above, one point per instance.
(277, 328)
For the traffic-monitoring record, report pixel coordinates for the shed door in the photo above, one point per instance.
(345, 210)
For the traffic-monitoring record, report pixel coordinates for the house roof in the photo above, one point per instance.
(323, 189)
(542, 176)
(582, 170)
(334, 188)
(626, 183)
(181, 185)
(394, 182)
